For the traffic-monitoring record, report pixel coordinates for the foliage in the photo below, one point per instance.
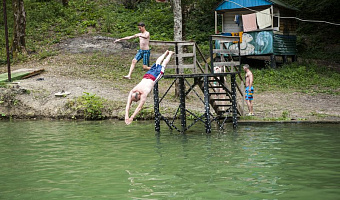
(199, 19)
(319, 115)
(8, 99)
(318, 40)
(49, 22)
(120, 21)
(90, 105)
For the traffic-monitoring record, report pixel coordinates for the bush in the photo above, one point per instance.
(89, 105)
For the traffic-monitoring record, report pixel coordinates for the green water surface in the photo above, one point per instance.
(108, 160)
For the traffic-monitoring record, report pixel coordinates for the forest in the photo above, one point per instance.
(50, 21)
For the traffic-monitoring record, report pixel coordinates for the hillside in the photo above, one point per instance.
(96, 78)
(74, 46)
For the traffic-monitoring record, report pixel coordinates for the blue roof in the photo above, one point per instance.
(235, 4)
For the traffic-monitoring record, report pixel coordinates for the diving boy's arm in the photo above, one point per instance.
(128, 105)
(139, 108)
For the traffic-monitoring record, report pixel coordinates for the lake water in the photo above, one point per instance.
(108, 160)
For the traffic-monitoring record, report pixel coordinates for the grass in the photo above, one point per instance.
(306, 78)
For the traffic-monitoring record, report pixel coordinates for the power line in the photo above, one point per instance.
(303, 20)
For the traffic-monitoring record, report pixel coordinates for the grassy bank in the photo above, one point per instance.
(303, 77)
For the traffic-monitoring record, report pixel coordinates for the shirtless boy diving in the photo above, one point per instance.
(142, 89)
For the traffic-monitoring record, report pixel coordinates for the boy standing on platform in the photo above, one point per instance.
(144, 49)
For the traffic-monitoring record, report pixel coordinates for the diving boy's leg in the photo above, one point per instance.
(146, 68)
(167, 59)
(161, 58)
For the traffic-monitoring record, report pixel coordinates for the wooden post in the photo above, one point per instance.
(284, 59)
(216, 22)
(211, 55)
(222, 23)
(156, 108)
(272, 61)
(294, 58)
(177, 61)
(182, 104)
(233, 99)
(7, 43)
(239, 54)
(177, 70)
(272, 9)
(194, 58)
(206, 105)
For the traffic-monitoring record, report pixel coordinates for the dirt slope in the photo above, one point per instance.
(34, 97)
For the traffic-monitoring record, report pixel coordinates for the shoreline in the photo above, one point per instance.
(95, 79)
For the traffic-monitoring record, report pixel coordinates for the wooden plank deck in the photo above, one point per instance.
(20, 74)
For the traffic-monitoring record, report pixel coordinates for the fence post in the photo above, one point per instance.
(206, 105)
(211, 55)
(233, 99)
(182, 104)
(156, 108)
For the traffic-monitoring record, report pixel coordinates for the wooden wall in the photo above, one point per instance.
(281, 26)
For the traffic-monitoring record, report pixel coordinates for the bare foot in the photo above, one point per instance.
(127, 77)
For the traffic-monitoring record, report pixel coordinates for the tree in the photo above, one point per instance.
(177, 9)
(19, 32)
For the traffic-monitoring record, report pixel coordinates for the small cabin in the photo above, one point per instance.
(265, 27)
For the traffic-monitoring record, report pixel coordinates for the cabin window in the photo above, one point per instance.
(276, 23)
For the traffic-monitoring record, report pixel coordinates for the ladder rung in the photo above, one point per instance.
(217, 93)
(223, 105)
(221, 100)
(224, 109)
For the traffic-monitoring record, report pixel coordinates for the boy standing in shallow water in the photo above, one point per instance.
(144, 49)
(249, 89)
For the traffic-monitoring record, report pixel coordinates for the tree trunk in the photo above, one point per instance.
(19, 33)
(177, 9)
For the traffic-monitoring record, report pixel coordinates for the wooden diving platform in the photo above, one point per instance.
(217, 91)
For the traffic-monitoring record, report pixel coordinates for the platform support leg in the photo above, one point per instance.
(182, 104)
(206, 105)
(272, 61)
(233, 99)
(284, 59)
(156, 108)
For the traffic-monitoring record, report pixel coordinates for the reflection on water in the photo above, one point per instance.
(108, 160)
